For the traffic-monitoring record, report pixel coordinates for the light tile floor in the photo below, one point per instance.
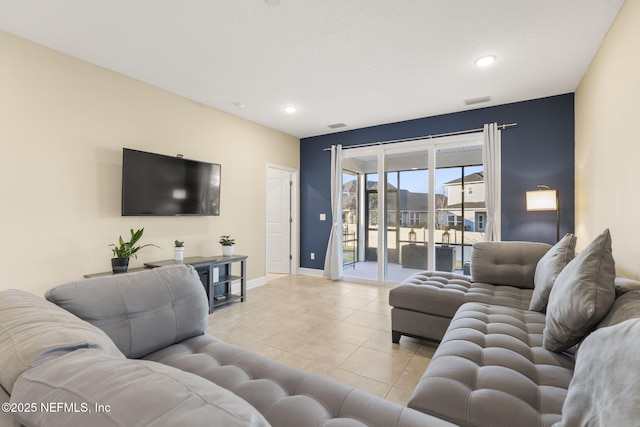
(339, 330)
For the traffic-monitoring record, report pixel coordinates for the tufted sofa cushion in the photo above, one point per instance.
(434, 292)
(506, 263)
(141, 311)
(284, 395)
(442, 293)
(491, 370)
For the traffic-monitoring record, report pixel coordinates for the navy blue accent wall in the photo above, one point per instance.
(540, 150)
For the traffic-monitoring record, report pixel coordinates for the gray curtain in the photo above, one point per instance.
(333, 258)
(491, 153)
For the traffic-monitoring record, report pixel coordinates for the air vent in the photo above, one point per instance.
(336, 125)
(476, 101)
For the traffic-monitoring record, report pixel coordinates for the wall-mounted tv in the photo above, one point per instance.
(159, 185)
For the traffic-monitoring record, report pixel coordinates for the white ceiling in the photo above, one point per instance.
(359, 62)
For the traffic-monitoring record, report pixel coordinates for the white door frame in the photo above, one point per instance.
(295, 214)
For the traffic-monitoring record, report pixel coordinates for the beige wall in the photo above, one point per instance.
(607, 105)
(63, 124)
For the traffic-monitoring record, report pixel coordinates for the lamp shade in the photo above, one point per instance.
(542, 200)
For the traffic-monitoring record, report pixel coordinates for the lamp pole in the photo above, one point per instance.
(557, 216)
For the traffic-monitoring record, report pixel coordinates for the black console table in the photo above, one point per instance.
(216, 275)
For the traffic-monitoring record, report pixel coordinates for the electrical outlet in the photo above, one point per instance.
(313, 255)
(323, 217)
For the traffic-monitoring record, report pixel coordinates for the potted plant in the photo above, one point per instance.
(123, 251)
(179, 247)
(227, 245)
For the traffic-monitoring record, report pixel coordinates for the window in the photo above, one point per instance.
(452, 220)
(470, 190)
(480, 221)
(414, 218)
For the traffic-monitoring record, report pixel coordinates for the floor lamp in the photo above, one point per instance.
(545, 199)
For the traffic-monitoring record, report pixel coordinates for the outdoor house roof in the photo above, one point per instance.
(473, 178)
(409, 201)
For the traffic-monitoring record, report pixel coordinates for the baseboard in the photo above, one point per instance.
(253, 283)
(311, 272)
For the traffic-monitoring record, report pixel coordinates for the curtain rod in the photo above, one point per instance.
(439, 135)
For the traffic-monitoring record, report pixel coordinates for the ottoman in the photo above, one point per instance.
(502, 273)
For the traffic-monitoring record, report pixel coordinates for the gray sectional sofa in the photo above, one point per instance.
(535, 337)
(131, 350)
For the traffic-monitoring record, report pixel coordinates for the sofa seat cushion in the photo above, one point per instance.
(441, 294)
(508, 296)
(132, 393)
(491, 370)
(141, 311)
(34, 331)
(284, 395)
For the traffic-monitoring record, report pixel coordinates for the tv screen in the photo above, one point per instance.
(155, 184)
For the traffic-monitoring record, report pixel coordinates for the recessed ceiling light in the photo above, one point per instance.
(485, 61)
(289, 109)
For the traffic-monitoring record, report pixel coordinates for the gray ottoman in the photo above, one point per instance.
(502, 273)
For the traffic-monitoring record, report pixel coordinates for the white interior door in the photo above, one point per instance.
(278, 222)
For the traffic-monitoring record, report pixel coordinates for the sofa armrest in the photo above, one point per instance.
(506, 263)
(34, 331)
(89, 388)
(6, 417)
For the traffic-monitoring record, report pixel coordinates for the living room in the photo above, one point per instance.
(65, 122)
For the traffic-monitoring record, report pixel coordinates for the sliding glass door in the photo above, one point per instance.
(461, 216)
(407, 213)
(412, 206)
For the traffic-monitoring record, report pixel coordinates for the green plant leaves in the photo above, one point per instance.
(128, 249)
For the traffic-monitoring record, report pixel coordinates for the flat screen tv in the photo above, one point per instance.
(159, 185)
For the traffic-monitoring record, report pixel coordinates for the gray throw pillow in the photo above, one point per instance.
(581, 296)
(548, 268)
(605, 388)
